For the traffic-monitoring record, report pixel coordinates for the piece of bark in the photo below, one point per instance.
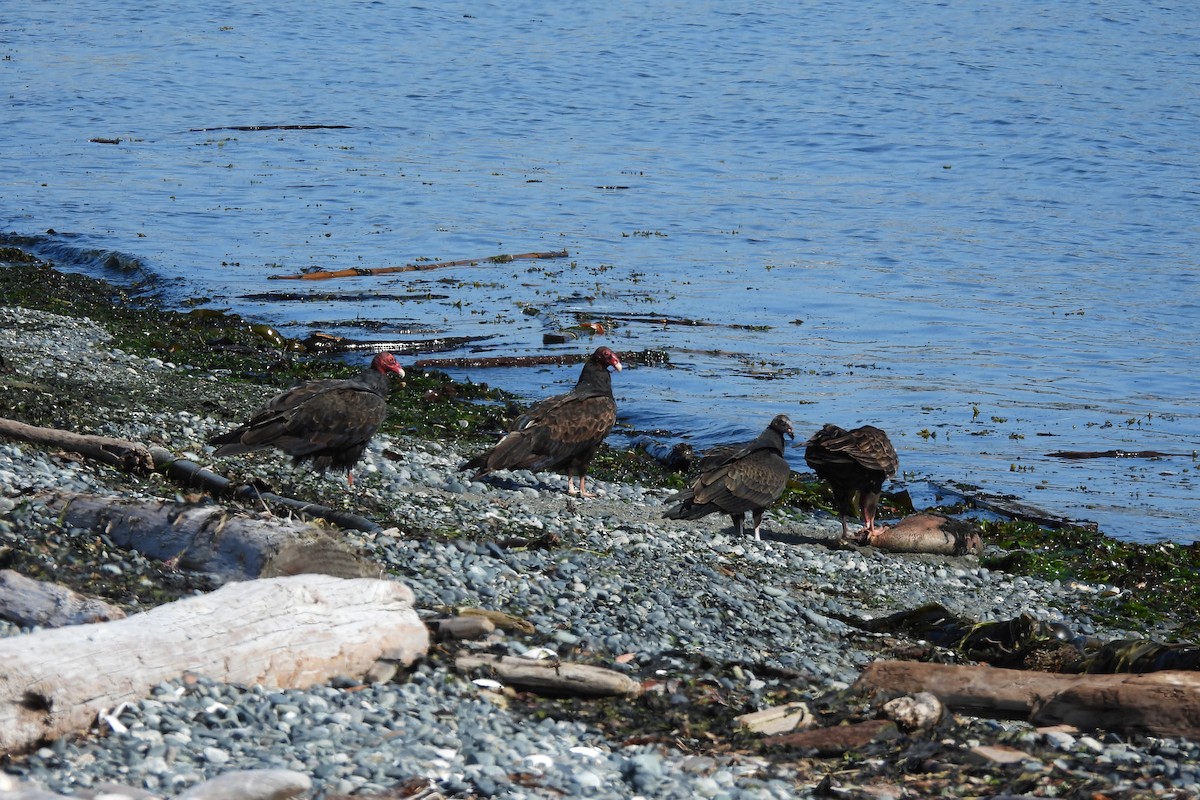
(927, 533)
(31, 603)
(283, 633)
(1163, 703)
(211, 538)
(547, 676)
(837, 739)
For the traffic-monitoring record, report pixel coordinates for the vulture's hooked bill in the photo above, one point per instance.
(327, 422)
(854, 462)
(736, 478)
(560, 433)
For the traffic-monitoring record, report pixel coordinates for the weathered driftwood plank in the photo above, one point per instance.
(292, 632)
(1161, 703)
(48, 605)
(211, 538)
(550, 676)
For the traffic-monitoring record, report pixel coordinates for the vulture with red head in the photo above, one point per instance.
(736, 478)
(327, 422)
(855, 463)
(560, 433)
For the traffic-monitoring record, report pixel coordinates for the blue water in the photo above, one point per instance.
(975, 226)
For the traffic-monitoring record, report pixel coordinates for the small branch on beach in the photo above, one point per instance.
(125, 456)
(355, 272)
(134, 457)
(645, 358)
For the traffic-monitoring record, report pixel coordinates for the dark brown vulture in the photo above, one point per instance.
(736, 478)
(326, 422)
(563, 432)
(854, 462)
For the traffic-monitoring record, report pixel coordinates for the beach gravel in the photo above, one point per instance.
(685, 607)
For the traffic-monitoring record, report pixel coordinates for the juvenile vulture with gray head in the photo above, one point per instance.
(736, 478)
(327, 422)
(560, 433)
(854, 462)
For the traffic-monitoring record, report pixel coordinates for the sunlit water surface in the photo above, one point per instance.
(975, 226)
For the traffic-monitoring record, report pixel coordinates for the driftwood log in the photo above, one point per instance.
(126, 456)
(135, 457)
(643, 357)
(32, 603)
(211, 538)
(357, 272)
(549, 676)
(1160, 703)
(293, 632)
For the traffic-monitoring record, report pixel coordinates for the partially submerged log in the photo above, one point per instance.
(31, 603)
(283, 633)
(550, 676)
(645, 358)
(211, 538)
(1012, 508)
(1160, 703)
(1079, 454)
(355, 272)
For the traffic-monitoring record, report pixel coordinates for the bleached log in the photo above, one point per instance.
(211, 538)
(293, 632)
(549, 676)
(48, 605)
(1163, 703)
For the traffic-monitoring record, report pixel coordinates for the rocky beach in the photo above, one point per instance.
(712, 627)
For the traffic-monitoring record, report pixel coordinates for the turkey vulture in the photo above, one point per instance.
(560, 433)
(736, 478)
(327, 422)
(854, 462)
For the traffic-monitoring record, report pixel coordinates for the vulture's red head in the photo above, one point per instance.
(606, 358)
(385, 363)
